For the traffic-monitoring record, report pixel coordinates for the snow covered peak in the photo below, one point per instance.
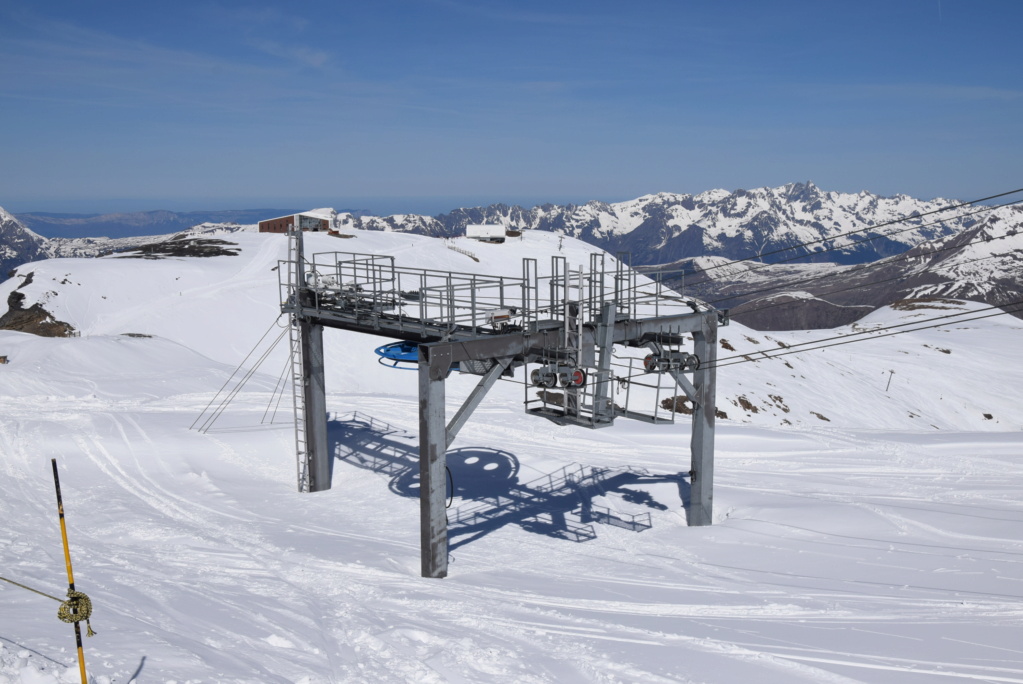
(663, 227)
(18, 244)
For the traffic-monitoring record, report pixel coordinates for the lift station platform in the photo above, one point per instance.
(560, 328)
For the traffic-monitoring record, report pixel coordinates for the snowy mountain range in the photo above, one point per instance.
(867, 517)
(821, 259)
(982, 263)
(654, 229)
(18, 244)
(665, 227)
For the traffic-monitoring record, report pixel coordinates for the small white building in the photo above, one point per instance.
(485, 232)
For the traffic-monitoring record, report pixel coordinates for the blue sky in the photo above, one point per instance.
(423, 105)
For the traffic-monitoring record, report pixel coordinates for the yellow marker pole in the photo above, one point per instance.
(70, 575)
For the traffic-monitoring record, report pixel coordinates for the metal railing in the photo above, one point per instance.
(373, 285)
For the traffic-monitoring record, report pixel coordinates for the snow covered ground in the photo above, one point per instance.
(862, 534)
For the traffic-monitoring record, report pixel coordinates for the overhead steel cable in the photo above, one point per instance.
(893, 222)
(950, 207)
(765, 266)
(212, 418)
(781, 289)
(901, 276)
(766, 355)
(863, 339)
(233, 373)
(786, 349)
(872, 264)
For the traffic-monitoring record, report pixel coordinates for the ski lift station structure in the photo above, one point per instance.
(560, 328)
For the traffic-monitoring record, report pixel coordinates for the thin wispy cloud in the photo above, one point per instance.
(292, 53)
(271, 31)
(681, 92)
(253, 17)
(932, 92)
(109, 70)
(589, 15)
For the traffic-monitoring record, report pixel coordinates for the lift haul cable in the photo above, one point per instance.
(659, 274)
(637, 288)
(782, 288)
(859, 337)
(770, 305)
(863, 339)
(280, 396)
(78, 607)
(868, 334)
(864, 267)
(874, 264)
(864, 240)
(760, 256)
(896, 221)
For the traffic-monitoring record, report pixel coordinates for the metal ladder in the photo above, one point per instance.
(297, 363)
(298, 402)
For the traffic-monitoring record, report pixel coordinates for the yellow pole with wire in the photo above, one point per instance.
(70, 574)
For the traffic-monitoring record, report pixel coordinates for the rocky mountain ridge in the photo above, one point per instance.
(982, 263)
(18, 244)
(654, 229)
(665, 227)
(852, 253)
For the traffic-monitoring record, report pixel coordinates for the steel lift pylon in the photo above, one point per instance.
(489, 327)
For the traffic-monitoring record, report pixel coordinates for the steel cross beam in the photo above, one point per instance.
(529, 344)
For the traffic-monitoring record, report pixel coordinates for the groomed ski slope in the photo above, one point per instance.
(882, 544)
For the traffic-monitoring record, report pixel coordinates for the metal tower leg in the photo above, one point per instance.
(433, 524)
(701, 496)
(314, 395)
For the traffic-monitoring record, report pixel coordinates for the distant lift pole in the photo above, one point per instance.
(490, 326)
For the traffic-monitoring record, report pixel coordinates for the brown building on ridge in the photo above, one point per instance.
(284, 223)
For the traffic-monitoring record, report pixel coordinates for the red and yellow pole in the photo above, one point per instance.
(70, 574)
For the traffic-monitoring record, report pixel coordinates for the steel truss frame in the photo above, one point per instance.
(451, 324)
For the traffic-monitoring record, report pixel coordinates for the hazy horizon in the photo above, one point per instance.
(428, 206)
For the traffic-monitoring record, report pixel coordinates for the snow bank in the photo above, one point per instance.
(856, 544)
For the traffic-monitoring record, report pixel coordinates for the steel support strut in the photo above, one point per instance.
(434, 365)
(701, 495)
(475, 397)
(314, 394)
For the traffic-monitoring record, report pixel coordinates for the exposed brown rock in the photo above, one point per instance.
(35, 319)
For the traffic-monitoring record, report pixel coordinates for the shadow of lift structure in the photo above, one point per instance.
(563, 325)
